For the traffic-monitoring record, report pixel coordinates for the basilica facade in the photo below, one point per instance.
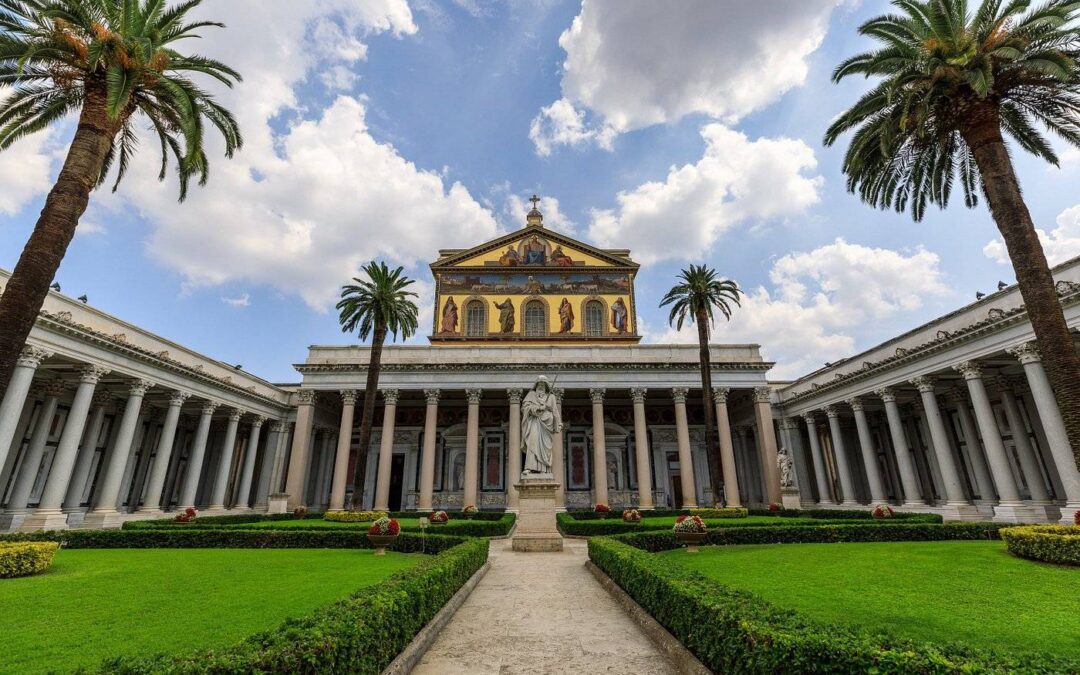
(104, 421)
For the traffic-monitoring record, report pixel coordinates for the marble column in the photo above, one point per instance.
(269, 462)
(983, 480)
(599, 445)
(821, 471)
(160, 466)
(50, 514)
(641, 449)
(558, 457)
(386, 450)
(15, 397)
(1010, 508)
(472, 448)
(228, 447)
(87, 450)
(326, 468)
(1040, 496)
(298, 459)
(869, 453)
(767, 450)
(243, 493)
(727, 450)
(31, 462)
(1053, 426)
(513, 449)
(956, 504)
(843, 466)
(427, 455)
(344, 445)
(104, 513)
(198, 454)
(682, 436)
(909, 480)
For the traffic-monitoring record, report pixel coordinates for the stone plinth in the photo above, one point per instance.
(277, 503)
(789, 498)
(536, 529)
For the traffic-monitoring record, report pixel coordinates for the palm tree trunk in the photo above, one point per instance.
(1033, 276)
(712, 439)
(29, 283)
(367, 416)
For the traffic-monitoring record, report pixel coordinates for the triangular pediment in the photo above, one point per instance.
(535, 247)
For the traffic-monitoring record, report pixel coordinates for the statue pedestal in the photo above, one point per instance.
(789, 498)
(536, 529)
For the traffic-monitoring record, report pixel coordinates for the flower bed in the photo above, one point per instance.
(353, 516)
(631, 516)
(439, 518)
(734, 631)
(1058, 544)
(23, 559)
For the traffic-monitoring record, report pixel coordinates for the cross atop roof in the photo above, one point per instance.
(535, 200)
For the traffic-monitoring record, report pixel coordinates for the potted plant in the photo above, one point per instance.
(882, 511)
(439, 518)
(300, 512)
(602, 510)
(631, 516)
(775, 508)
(1076, 519)
(188, 515)
(382, 533)
(690, 530)
(469, 511)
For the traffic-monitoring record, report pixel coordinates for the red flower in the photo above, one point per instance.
(602, 508)
(773, 506)
(1076, 519)
(680, 519)
(385, 526)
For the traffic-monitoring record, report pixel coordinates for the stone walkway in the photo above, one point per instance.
(541, 613)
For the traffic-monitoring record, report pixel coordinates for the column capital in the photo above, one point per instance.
(390, 396)
(177, 398)
(54, 388)
(856, 403)
(1026, 353)
(208, 407)
(235, 414)
(139, 387)
(514, 395)
(679, 394)
(720, 394)
(305, 397)
(886, 394)
(762, 394)
(810, 417)
(473, 396)
(91, 373)
(257, 421)
(102, 398)
(348, 396)
(971, 370)
(31, 356)
(637, 394)
(924, 383)
(830, 411)
(1003, 383)
(597, 395)
(432, 396)
(277, 426)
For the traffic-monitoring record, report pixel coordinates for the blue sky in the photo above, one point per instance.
(689, 132)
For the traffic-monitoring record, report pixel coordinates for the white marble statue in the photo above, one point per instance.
(540, 421)
(787, 470)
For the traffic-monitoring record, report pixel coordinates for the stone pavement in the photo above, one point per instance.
(541, 613)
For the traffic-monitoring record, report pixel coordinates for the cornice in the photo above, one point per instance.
(313, 368)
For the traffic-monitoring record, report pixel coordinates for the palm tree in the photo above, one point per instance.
(953, 85)
(375, 306)
(111, 62)
(698, 292)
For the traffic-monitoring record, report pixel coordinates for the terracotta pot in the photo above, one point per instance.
(691, 539)
(381, 541)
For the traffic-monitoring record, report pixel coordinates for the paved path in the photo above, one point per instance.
(541, 613)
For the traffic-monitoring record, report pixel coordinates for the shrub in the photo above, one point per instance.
(439, 517)
(353, 516)
(1058, 544)
(689, 524)
(845, 514)
(883, 511)
(631, 516)
(385, 526)
(721, 512)
(299, 512)
(188, 515)
(470, 511)
(23, 559)
(602, 508)
(733, 631)
(360, 634)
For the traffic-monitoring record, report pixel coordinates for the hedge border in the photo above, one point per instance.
(821, 514)
(463, 527)
(732, 630)
(1058, 544)
(25, 558)
(591, 527)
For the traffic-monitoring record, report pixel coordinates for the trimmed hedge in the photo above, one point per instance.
(354, 516)
(489, 516)
(846, 514)
(1058, 544)
(459, 526)
(23, 559)
(360, 634)
(216, 521)
(573, 527)
(725, 512)
(731, 630)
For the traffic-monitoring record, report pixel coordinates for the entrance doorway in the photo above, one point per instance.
(397, 479)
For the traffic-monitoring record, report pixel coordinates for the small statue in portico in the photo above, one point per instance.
(540, 421)
(506, 315)
(787, 473)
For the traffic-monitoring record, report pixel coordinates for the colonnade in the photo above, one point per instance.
(971, 484)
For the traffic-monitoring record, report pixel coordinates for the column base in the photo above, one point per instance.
(1015, 512)
(961, 511)
(48, 519)
(75, 517)
(1068, 513)
(104, 520)
(11, 520)
(850, 504)
(1046, 511)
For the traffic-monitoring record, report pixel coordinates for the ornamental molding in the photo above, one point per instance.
(969, 369)
(277, 427)
(886, 394)
(92, 374)
(1025, 353)
(31, 356)
(55, 388)
(597, 395)
(316, 368)
(924, 383)
(177, 398)
(432, 396)
(473, 396)
(348, 396)
(390, 396)
(720, 394)
(856, 403)
(305, 397)
(678, 394)
(762, 394)
(637, 394)
(257, 421)
(102, 398)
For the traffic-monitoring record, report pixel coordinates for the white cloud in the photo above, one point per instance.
(516, 207)
(737, 180)
(1059, 244)
(26, 170)
(242, 300)
(339, 78)
(820, 300)
(637, 63)
(89, 228)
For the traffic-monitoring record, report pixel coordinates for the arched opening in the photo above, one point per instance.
(475, 319)
(594, 318)
(535, 319)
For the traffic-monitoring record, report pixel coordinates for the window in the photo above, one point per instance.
(475, 319)
(535, 319)
(594, 319)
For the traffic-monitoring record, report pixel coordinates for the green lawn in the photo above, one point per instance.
(94, 604)
(972, 592)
